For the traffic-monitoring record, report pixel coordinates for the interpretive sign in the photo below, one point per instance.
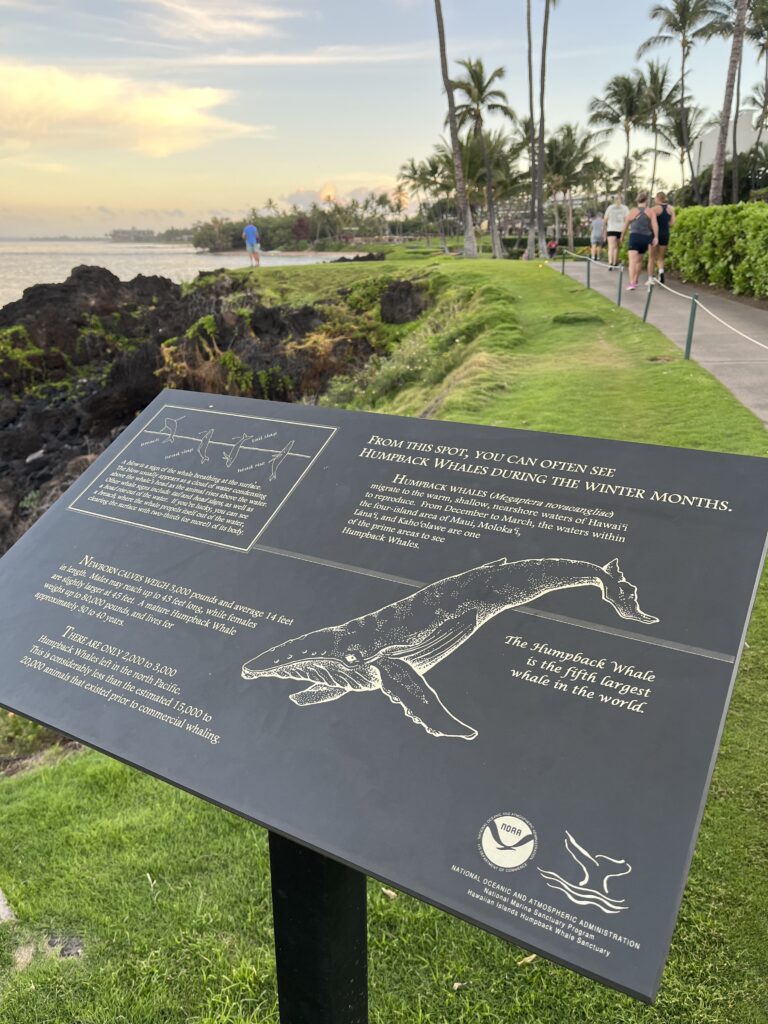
(488, 666)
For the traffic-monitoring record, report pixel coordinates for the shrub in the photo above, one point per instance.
(726, 246)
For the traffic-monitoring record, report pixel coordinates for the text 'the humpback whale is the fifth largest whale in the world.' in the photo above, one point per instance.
(391, 649)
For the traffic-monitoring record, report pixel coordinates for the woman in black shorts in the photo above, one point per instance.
(643, 235)
(665, 217)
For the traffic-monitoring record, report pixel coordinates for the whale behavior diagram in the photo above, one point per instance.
(592, 890)
(391, 650)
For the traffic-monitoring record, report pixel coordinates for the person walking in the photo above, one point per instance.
(597, 235)
(615, 217)
(643, 231)
(665, 216)
(252, 244)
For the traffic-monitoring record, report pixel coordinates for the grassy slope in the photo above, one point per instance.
(171, 896)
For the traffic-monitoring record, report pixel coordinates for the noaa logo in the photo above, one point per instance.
(507, 841)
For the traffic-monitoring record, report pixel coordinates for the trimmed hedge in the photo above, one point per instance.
(726, 246)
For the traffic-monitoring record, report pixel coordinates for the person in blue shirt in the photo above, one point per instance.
(252, 244)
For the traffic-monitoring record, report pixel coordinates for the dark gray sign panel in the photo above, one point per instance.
(488, 666)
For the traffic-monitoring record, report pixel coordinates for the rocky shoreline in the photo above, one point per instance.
(79, 359)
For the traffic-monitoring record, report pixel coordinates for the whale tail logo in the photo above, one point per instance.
(592, 889)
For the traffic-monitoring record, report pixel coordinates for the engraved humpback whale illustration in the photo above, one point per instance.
(391, 649)
(169, 428)
(234, 451)
(202, 448)
(277, 460)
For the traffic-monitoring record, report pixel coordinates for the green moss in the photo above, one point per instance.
(20, 358)
(239, 378)
(101, 333)
(203, 330)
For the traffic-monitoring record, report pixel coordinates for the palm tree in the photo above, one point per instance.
(569, 152)
(532, 138)
(681, 135)
(660, 94)
(685, 22)
(470, 243)
(759, 101)
(757, 33)
(622, 106)
(540, 156)
(734, 63)
(483, 98)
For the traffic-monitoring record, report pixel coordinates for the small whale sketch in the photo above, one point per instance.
(390, 650)
(234, 451)
(276, 461)
(597, 870)
(202, 448)
(170, 427)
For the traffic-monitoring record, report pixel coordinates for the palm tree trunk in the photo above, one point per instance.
(655, 158)
(493, 227)
(684, 129)
(625, 186)
(470, 243)
(541, 224)
(718, 167)
(531, 139)
(735, 157)
(569, 211)
(763, 114)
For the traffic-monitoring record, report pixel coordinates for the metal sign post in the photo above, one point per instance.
(321, 942)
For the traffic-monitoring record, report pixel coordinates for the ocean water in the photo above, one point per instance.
(26, 263)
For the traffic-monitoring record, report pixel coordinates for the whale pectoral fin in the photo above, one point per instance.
(318, 693)
(446, 638)
(403, 685)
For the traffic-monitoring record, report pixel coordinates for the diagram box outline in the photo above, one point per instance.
(331, 431)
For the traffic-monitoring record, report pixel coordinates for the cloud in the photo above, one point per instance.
(331, 56)
(362, 187)
(45, 105)
(227, 19)
(40, 166)
(25, 5)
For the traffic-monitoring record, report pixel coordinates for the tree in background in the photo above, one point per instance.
(481, 97)
(568, 153)
(660, 95)
(757, 34)
(541, 155)
(622, 106)
(734, 65)
(681, 133)
(470, 243)
(685, 22)
(531, 249)
(759, 101)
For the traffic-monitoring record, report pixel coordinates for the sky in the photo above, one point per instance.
(153, 113)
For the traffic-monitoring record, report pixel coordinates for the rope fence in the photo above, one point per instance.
(654, 283)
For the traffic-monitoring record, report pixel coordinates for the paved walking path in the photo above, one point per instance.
(739, 364)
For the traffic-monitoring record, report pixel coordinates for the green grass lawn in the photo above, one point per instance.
(170, 896)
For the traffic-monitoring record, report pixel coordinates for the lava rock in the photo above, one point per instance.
(403, 301)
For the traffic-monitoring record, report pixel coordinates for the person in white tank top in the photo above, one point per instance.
(615, 217)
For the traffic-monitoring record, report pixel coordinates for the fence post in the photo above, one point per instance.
(621, 282)
(589, 268)
(648, 301)
(562, 269)
(691, 322)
